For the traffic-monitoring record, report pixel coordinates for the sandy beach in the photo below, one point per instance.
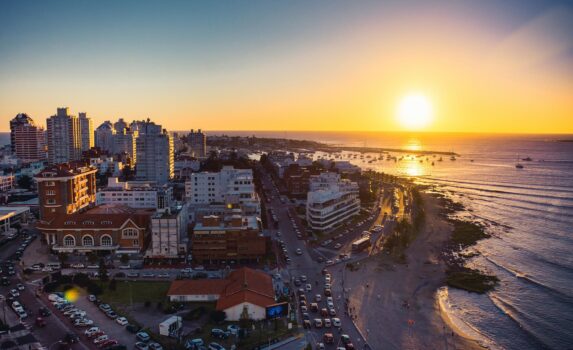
(396, 304)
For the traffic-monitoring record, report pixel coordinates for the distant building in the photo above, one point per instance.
(6, 182)
(28, 141)
(197, 142)
(106, 165)
(233, 187)
(135, 194)
(65, 189)
(243, 291)
(331, 201)
(228, 239)
(117, 229)
(104, 137)
(155, 156)
(169, 234)
(64, 137)
(185, 166)
(9, 216)
(87, 131)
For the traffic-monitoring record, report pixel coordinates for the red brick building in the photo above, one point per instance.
(65, 189)
(104, 228)
(228, 239)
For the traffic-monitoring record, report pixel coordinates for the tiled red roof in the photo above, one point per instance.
(242, 285)
(98, 217)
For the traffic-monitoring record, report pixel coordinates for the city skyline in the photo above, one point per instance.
(326, 66)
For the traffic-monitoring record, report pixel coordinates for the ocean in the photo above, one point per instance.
(528, 211)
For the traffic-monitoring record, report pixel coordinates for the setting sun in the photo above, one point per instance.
(414, 112)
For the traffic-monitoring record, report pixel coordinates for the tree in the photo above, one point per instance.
(124, 258)
(218, 316)
(25, 182)
(103, 276)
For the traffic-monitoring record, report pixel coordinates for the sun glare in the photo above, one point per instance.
(414, 112)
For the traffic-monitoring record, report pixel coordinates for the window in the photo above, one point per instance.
(69, 241)
(106, 222)
(50, 201)
(69, 223)
(130, 233)
(50, 183)
(88, 222)
(87, 241)
(50, 193)
(106, 241)
(136, 242)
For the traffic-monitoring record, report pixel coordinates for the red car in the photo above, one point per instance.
(96, 334)
(107, 343)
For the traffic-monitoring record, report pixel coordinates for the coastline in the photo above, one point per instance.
(397, 305)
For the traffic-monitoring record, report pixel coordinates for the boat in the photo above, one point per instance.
(527, 159)
(453, 158)
(439, 160)
(518, 165)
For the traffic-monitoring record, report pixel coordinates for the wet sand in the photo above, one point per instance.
(396, 305)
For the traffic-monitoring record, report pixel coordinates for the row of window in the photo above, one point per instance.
(88, 241)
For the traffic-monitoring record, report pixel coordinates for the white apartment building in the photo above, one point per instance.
(87, 131)
(135, 194)
(232, 187)
(169, 238)
(155, 155)
(331, 201)
(64, 137)
(106, 165)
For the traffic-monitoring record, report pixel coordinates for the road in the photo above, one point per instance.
(306, 265)
(55, 330)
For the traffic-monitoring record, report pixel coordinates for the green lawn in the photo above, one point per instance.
(135, 291)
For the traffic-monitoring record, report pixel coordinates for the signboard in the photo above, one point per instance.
(277, 311)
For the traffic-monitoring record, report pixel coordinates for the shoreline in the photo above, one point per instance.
(397, 305)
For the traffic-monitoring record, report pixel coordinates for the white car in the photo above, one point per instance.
(318, 298)
(308, 287)
(336, 322)
(20, 286)
(91, 331)
(299, 251)
(122, 321)
(14, 293)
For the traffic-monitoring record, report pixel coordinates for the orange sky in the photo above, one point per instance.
(480, 76)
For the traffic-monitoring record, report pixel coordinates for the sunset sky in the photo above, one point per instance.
(484, 66)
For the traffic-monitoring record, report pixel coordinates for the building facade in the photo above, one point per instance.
(155, 155)
(106, 228)
(6, 182)
(87, 131)
(331, 201)
(245, 290)
(135, 194)
(197, 142)
(233, 187)
(228, 239)
(64, 137)
(169, 238)
(28, 141)
(104, 136)
(65, 189)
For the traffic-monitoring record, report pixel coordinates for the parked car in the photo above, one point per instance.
(122, 321)
(143, 336)
(336, 322)
(102, 338)
(216, 346)
(155, 346)
(141, 346)
(40, 322)
(194, 344)
(233, 328)
(219, 333)
(44, 312)
(20, 286)
(132, 328)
